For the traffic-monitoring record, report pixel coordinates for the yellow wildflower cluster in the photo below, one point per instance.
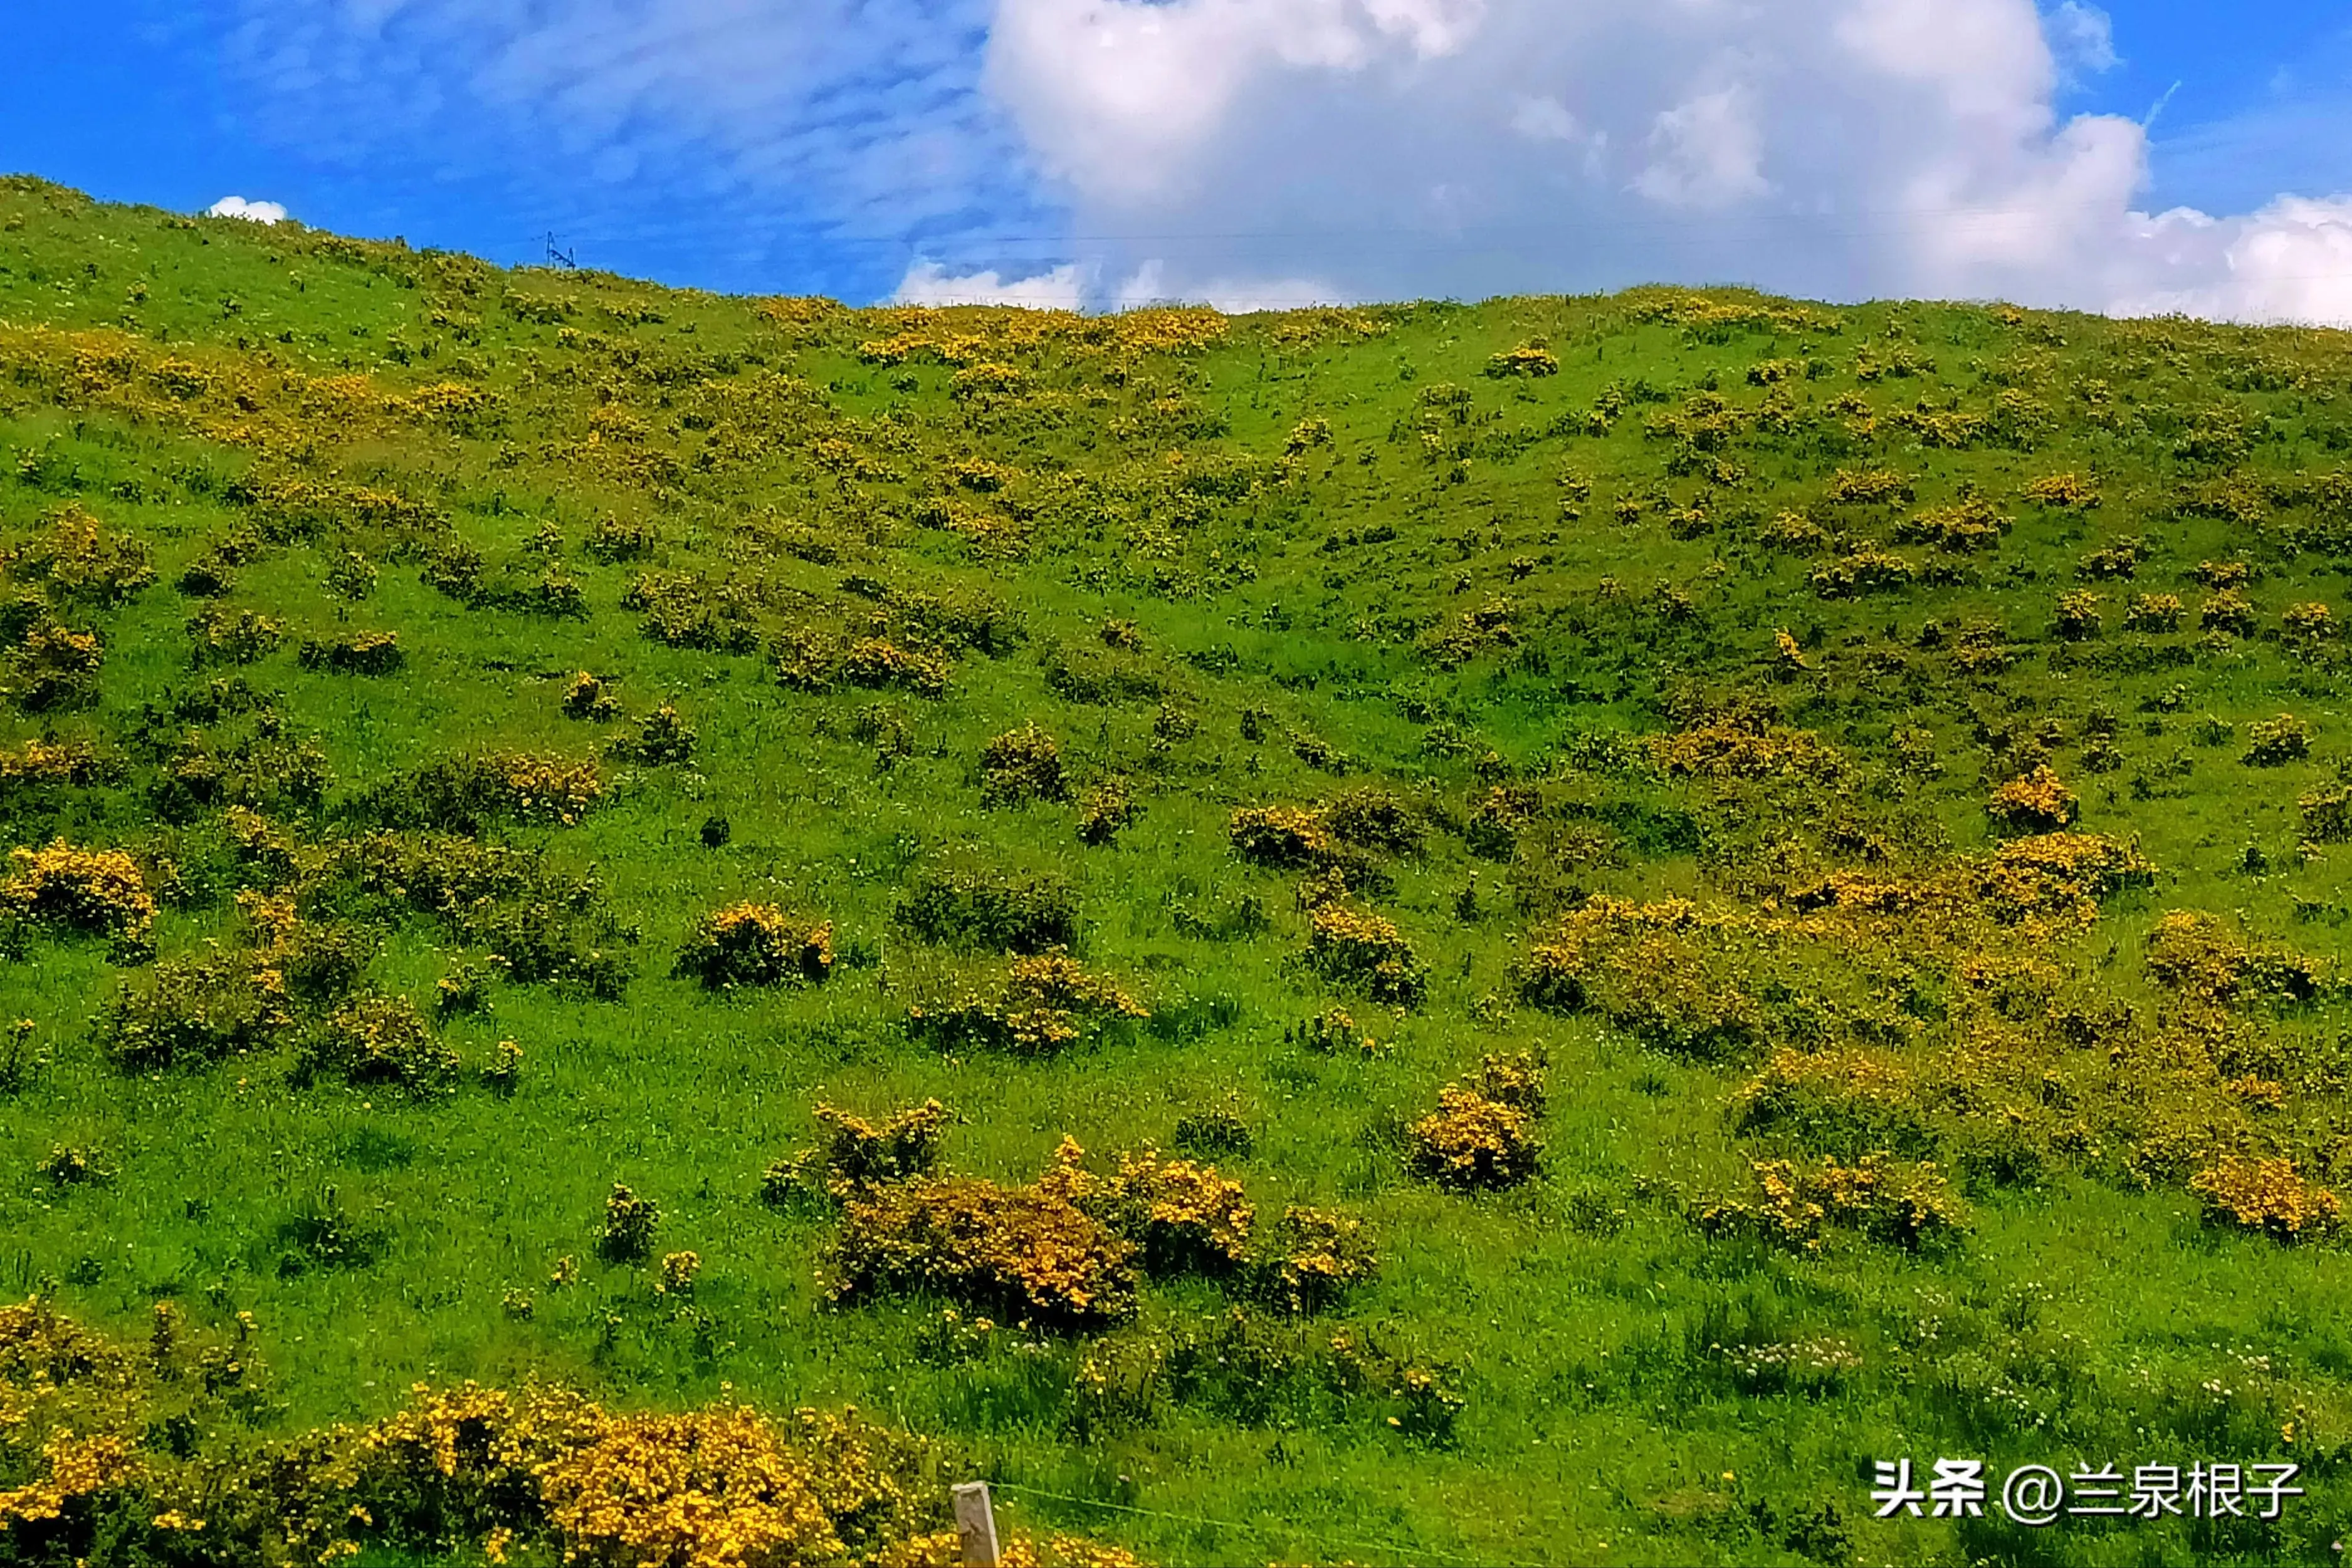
(101, 890)
(757, 944)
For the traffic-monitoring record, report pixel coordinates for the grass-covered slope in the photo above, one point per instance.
(1625, 904)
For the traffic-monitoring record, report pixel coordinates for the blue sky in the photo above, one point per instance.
(833, 145)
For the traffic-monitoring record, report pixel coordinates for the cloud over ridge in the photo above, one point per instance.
(1098, 152)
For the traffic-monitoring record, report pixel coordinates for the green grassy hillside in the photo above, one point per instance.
(1540, 929)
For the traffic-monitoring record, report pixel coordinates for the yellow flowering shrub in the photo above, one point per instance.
(459, 795)
(1526, 360)
(757, 944)
(2194, 956)
(2268, 1196)
(1868, 486)
(2228, 612)
(708, 1490)
(876, 662)
(1312, 1256)
(2079, 617)
(2308, 625)
(359, 654)
(380, 1040)
(1473, 1142)
(547, 788)
(46, 763)
(1864, 570)
(79, 1469)
(858, 1153)
(1287, 838)
(1187, 1218)
(1043, 1004)
(1910, 1205)
(2154, 612)
(1960, 529)
(2067, 492)
(2278, 741)
(238, 637)
(2327, 815)
(1743, 743)
(1357, 948)
(98, 890)
(195, 1012)
(1021, 765)
(76, 556)
(2035, 802)
(629, 1225)
(678, 1273)
(588, 697)
(1027, 1253)
(1107, 810)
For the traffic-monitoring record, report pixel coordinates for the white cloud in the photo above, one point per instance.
(1706, 152)
(927, 283)
(1837, 147)
(1264, 151)
(2291, 261)
(238, 207)
(2084, 37)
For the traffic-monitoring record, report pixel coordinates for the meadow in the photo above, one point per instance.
(643, 927)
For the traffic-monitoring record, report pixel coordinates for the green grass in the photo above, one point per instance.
(2088, 1314)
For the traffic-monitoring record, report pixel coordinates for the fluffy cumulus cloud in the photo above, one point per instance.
(928, 282)
(238, 207)
(1846, 147)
